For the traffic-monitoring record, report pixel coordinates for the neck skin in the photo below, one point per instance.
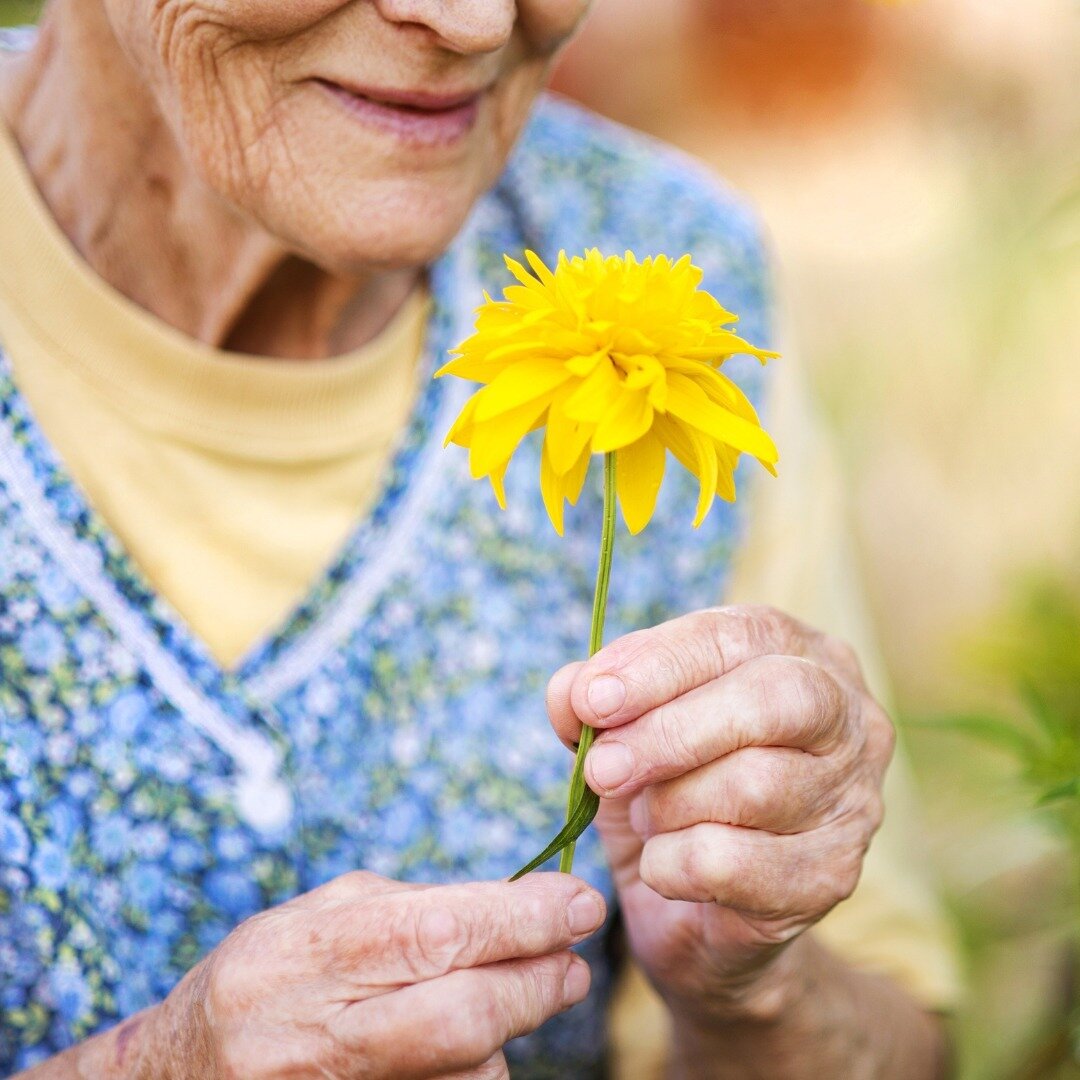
(116, 181)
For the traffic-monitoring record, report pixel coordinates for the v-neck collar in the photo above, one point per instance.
(337, 600)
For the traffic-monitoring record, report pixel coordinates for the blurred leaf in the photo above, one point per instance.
(1063, 791)
(989, 729)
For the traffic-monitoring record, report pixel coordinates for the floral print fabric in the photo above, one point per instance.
(149, 801)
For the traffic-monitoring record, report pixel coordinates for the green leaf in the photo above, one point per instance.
(1040, 709)
(578, 821)
(989, 729)
(1069, 789)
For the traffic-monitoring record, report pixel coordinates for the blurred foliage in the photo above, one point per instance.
(16, 12)
(1035, 649)
(1037, 646)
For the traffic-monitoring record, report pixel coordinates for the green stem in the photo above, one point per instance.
(596, 643)
(583, 802)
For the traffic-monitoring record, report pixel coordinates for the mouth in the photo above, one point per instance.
(415, 117)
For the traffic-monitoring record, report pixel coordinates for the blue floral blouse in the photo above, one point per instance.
(150, 800)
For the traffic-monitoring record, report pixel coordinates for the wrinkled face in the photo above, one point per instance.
(359, 132)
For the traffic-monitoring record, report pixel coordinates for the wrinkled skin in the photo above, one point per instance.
(191, 153)
(367, 977)
(236, 82)
(740, 761)
(203, 157)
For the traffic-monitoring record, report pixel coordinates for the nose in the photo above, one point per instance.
(462, 26)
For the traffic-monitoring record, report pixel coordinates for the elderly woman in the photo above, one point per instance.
(266, 650)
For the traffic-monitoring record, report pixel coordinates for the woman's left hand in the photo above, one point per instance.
(740, 761)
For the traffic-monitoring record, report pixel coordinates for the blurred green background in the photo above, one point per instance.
(917, 165)
(13, 12)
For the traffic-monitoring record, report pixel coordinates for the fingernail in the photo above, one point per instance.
(584, 913)
(576, 982)
(611, 765)
(607, 694)
(639, 819)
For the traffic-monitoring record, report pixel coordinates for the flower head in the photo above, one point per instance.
(608, 355)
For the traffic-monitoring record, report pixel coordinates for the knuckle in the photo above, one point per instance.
(535, 916)
(695, 867)
(846, 878)
(228, 986)
(669, 806)
(822, 696)
(880, 732)
(710, 632)
(475, 1034)
(810, 695)
(768, 629)
(671, 738)
(755, 786)
(875, 814)
(685, 868)
(353, 885)
(835, 877)
(429, 937)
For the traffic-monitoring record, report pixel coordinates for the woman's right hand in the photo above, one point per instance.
(367, 977)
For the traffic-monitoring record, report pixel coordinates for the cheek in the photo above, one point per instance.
(256, 19)
(275, 18)
(549, 23)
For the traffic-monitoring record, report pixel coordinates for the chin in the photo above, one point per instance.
(348, 237)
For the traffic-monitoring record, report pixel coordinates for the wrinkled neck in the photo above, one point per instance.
(115, 179)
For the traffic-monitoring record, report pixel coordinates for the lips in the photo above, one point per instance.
(418, 117)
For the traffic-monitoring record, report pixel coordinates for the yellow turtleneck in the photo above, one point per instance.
(231, 480)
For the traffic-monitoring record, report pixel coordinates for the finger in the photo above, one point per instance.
(768, 701)
(353, 887)
(459, 1021)
(647, 668)
(791, 880)
(560, 712)
(495, 1068)
(412, 937)
(773, 788)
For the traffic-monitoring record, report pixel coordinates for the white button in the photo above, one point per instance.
(264, 802)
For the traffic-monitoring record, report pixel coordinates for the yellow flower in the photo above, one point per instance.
(609, 355)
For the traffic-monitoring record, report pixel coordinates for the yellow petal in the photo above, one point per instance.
(674, 436)
(624, 423)
(596, 394)
(493, 442)
(524, 381)
(558, 490)
(565, 438)
(551, 488)
(539, 268)
(726, 460)
(521, 273)
(688, 403)
(615, 354)
(707, 472)
(638, 475)
(461, 429)
(498, 484)
(574, 480)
